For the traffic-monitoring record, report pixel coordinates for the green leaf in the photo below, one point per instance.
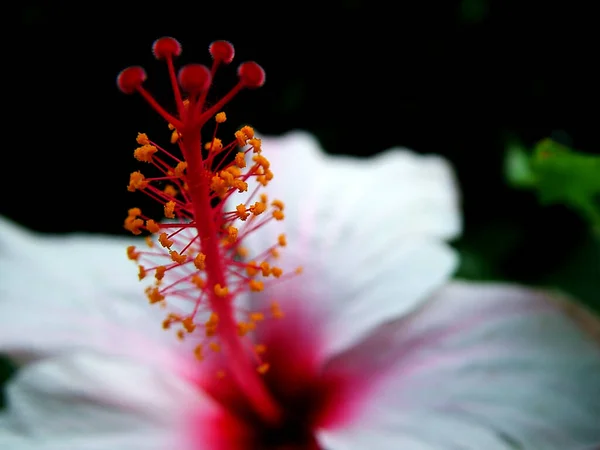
(559, 175)
(518, 167)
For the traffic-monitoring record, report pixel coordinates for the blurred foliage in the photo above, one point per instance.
(551, 250)
(473, 11)
(486, 256)
(558, 175)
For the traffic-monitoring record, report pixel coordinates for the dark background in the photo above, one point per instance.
(458, 78)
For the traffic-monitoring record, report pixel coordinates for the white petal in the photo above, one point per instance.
(380, 439)
(338, 196)
(367, 232)
(365, 289)
(76, 259)
(71, 292)
(89, 401)
(484, 366)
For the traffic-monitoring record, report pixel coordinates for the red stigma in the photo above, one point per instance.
(166, 47)
(251, 75)
(130, 79)
(194, 78)
(222, 51)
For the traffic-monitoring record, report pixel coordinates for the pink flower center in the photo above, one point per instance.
(310, 396)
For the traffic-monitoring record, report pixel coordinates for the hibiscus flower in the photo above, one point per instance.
(369, 345)
(371, 351)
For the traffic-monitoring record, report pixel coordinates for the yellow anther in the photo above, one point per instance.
(282, 240)
(170, 190)
(258, 208)
(176, 257)
(180, 168)
(244, 327)
(188, 324)
(142, 139)
(278, 215)
(152, 226)
(266, 269)
(256, 145)
(142, 273)
(263, 368)
(242, 252)
(154, 295)
(170, 210)
(134, 212)
(251, 268)
(159, 274)
(132, 254)
(276, 311)
(198, 353)
(257, 316)
(215, 347)
(145, 153)
(149, 241)
(299, 270)
(256, 286)
(220, 291)
(276, 272)
(137, 181)
(278, 204)
(198, 281)
(262, 180)
(170, 320)
(227, 177)
(274, 253)
(242, 213)
(210, 326)
(200, 261)
(241, 138)
(175, 136)
(213, 320)
(218, 185)
(240, 185)
(164, 240)
(248, 131)
(260, 348)
(216, 182)
(180, 334)
(261, 161)
(232, 234)
(240, 160)
(220, 117)
(234, 170)
(215, 146)
(133, 224)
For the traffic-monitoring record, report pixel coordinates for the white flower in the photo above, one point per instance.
(374, 350)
